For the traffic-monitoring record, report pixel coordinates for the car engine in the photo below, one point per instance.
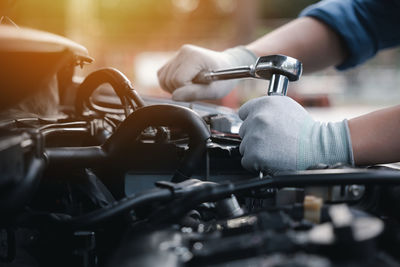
(116, 179)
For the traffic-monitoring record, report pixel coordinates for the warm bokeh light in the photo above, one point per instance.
(186, 5)
(138, 36)
(226, 6)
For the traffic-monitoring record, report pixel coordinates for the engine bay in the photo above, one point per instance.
(123, 180)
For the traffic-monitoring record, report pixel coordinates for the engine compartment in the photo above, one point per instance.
(121, 180)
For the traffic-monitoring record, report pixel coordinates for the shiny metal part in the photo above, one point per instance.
(229, 207)
(279, 69)
(266, 66)
(206, 77)
(356, 190)
(278, 85)
(65, 130)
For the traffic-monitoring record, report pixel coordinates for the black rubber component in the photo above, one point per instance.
(119, 82)
(189, 194)
(118, 208)
(76, 156)
(167, 192)
(209, 192)
(164, 115)
(122, 140)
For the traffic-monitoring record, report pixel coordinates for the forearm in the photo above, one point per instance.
(376, 137)
(306, 39)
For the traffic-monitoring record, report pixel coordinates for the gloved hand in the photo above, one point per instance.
(176, 76)
(279, 134)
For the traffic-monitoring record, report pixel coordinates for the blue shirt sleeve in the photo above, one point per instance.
(365, 26)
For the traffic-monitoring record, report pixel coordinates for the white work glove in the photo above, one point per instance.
(278, 134)
(176, 76)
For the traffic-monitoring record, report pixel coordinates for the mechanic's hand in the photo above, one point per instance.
(279, 134)
(177, 75)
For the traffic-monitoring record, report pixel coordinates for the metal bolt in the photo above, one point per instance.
(197, 246)
(354, 190)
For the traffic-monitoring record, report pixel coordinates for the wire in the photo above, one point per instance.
(190, 194)
(118, 208)
(214, 192)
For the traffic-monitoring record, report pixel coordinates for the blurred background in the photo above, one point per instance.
(139, 36)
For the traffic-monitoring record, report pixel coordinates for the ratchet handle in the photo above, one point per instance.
(206, 76)
(277, 86)
(203, 77)
(278, 78)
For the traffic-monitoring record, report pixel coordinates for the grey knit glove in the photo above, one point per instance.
(278, 134)
(176, 76)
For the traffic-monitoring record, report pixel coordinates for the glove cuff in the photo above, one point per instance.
(350, 145)
(240, 56)
(327, 143)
